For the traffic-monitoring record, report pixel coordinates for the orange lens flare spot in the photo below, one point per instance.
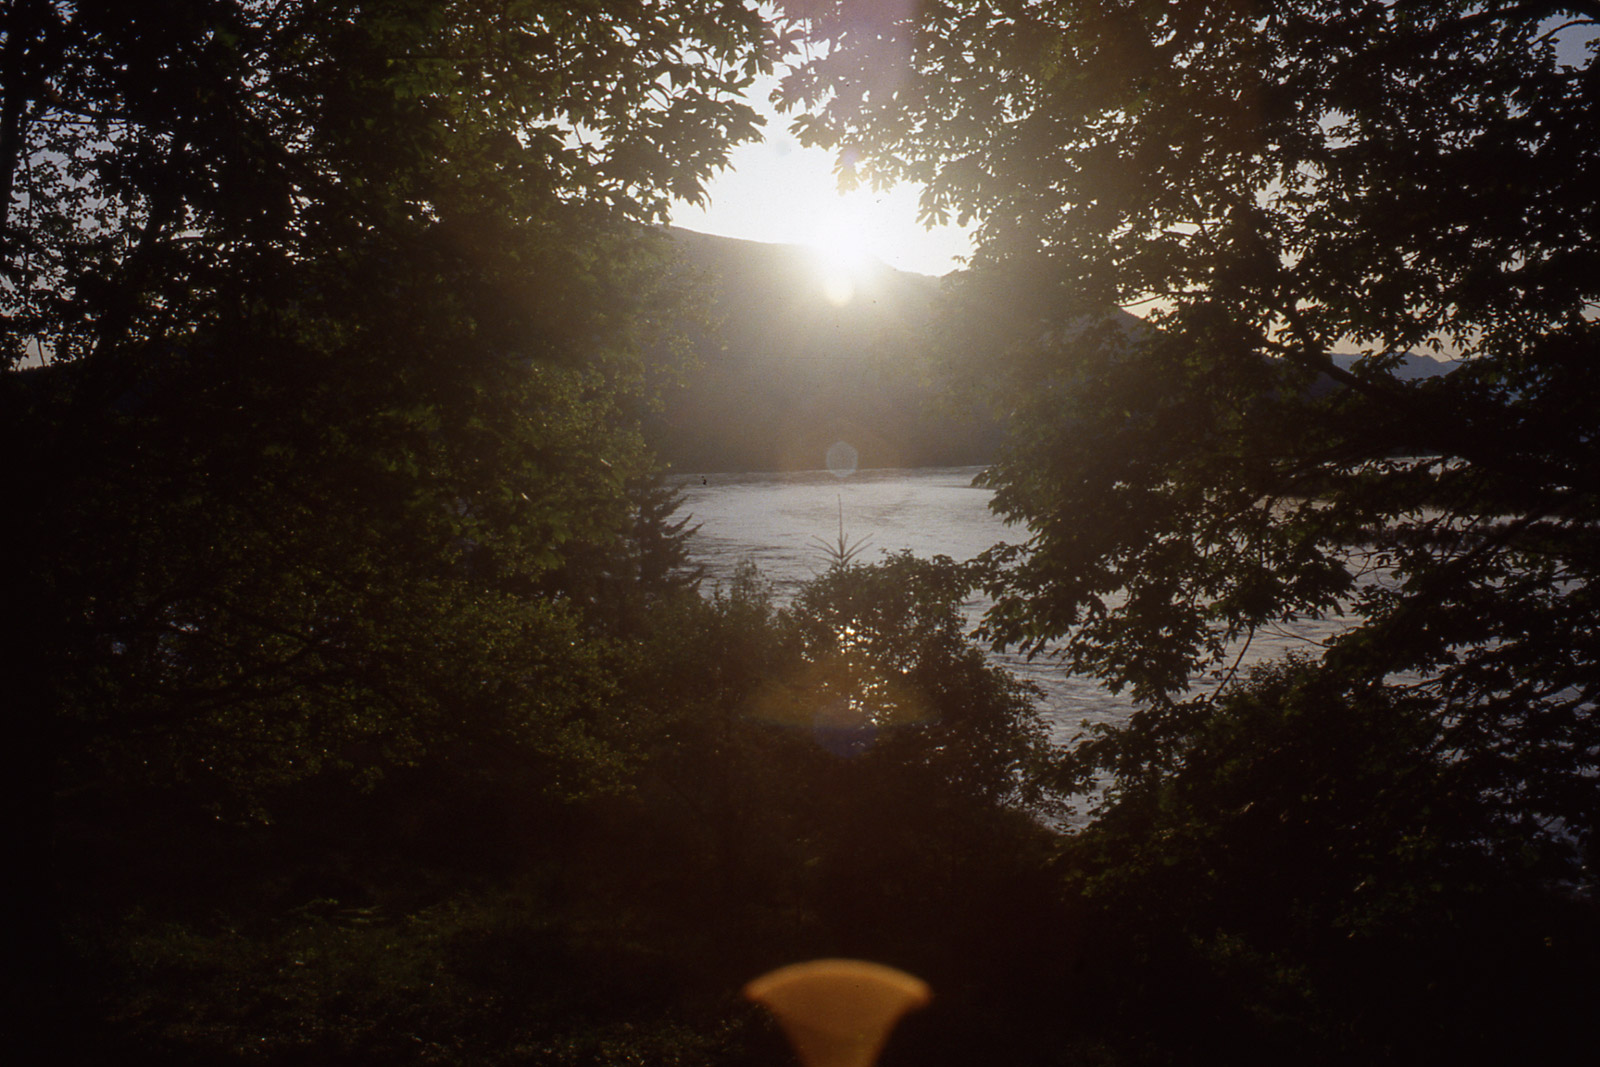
(838, 1013)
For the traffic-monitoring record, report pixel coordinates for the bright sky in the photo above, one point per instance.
(779, 192)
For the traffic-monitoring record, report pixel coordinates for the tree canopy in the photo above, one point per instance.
(1268, 186)
(325, 325)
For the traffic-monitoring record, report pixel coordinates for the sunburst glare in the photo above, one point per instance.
(781, 192)
(842, 255)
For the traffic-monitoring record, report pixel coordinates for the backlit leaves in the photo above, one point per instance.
(1269, 185)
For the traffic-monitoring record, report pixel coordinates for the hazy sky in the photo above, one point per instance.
(779, 192)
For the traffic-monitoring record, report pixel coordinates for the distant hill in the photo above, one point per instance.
(786, 371)
(1410, 366)
(783, 371)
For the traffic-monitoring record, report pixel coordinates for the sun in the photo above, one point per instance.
(782, 192)
(842, 252)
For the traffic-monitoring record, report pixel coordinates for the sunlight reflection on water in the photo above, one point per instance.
(780, 522)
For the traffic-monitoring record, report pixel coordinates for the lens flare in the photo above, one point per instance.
(838, 1013)
(842, 458)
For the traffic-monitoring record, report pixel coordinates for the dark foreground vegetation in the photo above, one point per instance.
(456, 912)
(364, 711)
(845, 777)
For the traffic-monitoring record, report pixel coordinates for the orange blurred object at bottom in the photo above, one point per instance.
(838, 1013)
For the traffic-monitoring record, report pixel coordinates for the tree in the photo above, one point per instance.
(323, 321)
(340, 307)
(849, 774)
(1308, 875)
(864, 706)
(1270, 185)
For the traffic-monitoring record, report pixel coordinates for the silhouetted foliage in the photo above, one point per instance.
(861, 709)
(1271, 186)
(323, 335)
(445, 918)
(340, 309)
(1274, 183)
(1304, 868)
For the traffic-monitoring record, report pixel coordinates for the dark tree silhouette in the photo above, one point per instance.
(1272, 184)
(322, 321)
(323, 325)
(1269, 186)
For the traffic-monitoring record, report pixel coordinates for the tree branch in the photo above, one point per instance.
(32, 43)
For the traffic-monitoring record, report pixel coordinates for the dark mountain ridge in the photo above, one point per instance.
(783, 371)
(1410, 366)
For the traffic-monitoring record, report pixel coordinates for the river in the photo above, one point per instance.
(783, 522)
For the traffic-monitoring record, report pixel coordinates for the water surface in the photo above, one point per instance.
(784, 523)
